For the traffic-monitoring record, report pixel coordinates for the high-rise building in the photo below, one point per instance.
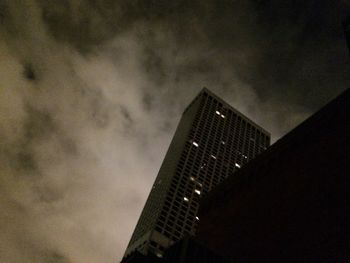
(211, 142)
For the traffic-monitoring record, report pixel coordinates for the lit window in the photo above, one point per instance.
(186, 199)
(223, 142)
(237, 165)
(159, 255)
(200, 184)
(197, 217)
(197, 191)
(245, 156)
(222, 116)
(218, 112)
(212, 156)
(195, 144)
(192, 178)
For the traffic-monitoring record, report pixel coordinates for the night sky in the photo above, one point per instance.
(91, 93)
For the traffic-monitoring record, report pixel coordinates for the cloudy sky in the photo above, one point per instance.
(91, 92)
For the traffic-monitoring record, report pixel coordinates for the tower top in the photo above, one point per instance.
(205, 91)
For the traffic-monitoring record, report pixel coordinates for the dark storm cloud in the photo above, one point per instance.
(304, 56)
(92, 90)
(281, 49)
(98, 21)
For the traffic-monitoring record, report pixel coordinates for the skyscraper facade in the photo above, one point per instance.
(211, 142)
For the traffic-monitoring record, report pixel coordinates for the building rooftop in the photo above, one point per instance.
(227, 105)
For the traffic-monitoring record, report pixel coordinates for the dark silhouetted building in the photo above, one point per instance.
(211, 142)
(189, 250)
(346, 27)
(138, 257)
(292, 202)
